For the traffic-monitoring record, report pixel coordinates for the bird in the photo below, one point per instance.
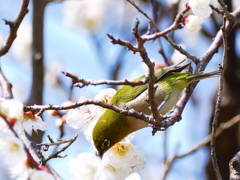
(112, 126)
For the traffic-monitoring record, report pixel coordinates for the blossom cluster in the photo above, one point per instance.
(12, 111)
(122, 161)
(13, 155)
(200, 10)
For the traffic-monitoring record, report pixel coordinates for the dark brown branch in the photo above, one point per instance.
(37, 60)
(37, 53)
(14, 27)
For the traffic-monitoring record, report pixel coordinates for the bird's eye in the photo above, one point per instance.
(106, 143)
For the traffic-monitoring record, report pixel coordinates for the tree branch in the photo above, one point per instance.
(79, 82)
(174, 45)
(204, 60)
(151, 74)
(126, 112)
(217, 106)
(14, 27)
(52, 143)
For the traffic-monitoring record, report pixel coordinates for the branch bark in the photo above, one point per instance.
(14, 27)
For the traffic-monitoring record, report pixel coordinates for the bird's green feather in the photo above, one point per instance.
(113, 127)
(128, 93)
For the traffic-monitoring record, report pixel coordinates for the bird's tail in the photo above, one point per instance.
(200, 76)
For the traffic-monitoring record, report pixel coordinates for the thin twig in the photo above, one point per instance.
(174, 45)
(217, 10)
(56, 154)
(53, 143)
(123, 43)
(177, 24)
(79, 82)
(14, 27)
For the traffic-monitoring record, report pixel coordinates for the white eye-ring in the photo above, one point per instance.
(106, 143)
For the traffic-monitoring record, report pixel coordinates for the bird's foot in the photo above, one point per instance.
(159, 127)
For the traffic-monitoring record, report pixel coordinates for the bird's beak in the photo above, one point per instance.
(100, 154)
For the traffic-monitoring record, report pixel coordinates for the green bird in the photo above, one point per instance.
(112, 127)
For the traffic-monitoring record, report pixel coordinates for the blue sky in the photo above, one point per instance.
(76, 53)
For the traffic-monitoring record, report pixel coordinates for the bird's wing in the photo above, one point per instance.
(174, 68)
(128, 93)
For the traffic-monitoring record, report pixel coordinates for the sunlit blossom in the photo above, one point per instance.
(11, 109)
(85, 117)
(82, 116)
(193, 23)
(124, 159)
(105, 96)
(32, 121)
(201, 8)
(88, 166)
(13, 151)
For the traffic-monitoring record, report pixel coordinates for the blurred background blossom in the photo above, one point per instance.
(75, 41)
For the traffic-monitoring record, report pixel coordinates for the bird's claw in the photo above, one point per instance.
(160, 127)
